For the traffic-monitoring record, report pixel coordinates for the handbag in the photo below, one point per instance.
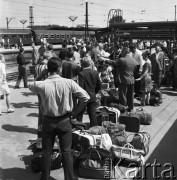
(141, 141)
(95, 163)
(145, 118)
(128, 154)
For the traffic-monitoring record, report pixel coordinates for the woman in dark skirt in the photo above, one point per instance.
(146, 82)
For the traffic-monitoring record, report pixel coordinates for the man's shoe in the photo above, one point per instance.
(26, 86)
(17, 87)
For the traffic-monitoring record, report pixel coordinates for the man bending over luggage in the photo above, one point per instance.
(56, 95)
(90, 81)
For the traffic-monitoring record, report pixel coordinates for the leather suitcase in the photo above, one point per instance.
(131, 121)
(104, 98)
(105, 113)
(84, 139)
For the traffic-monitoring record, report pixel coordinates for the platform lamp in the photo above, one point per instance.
(73, 18)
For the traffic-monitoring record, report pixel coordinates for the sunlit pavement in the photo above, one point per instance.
(19, 127)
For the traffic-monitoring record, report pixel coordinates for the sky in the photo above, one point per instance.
(57, 11)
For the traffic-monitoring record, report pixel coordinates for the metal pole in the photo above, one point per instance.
(8, 21)
(86, 21)
(175, 12)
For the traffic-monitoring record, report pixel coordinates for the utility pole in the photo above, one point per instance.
(73, 18)
(8, 21)
(23, 22)
(175, 12)
(86, 20)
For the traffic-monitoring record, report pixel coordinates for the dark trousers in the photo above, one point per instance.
(157, 77)
(91, 112)
(60, 126)
(22, 74)
(137, 85)
(126, 95)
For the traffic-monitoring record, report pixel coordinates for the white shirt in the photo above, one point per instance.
(138, 57)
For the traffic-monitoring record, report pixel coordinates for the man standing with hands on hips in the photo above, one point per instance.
(57, 105)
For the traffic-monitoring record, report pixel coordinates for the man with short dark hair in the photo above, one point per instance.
(90, 81)
(22, 68)
(57, 107)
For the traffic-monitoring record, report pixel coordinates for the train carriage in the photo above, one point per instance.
(11, 36)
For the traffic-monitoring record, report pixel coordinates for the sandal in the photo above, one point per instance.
(10, 110)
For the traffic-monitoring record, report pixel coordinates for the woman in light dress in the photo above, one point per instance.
(4, 88)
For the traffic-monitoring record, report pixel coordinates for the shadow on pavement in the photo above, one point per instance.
(25, 104)
(163, 159)
(32, 115)
(21, 129)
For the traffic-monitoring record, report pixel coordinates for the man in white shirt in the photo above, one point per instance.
(137, 55)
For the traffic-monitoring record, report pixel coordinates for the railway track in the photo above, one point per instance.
(14, 75)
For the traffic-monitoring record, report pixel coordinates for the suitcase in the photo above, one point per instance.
(84, 139)
(104, 98)
(114, 95)
(145, 118)
(131, 121)
(105, 113)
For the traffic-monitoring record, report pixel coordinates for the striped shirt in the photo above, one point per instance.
(39, 68)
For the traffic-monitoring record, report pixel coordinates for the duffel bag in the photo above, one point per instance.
(97, 130)
(128, 154)
(95, 163)
(36, 163)
(145, 118)
(141, 141)
(116, 132)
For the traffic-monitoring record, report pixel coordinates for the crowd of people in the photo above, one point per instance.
(67, 83)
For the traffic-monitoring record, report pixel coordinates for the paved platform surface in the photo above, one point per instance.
(16, 129)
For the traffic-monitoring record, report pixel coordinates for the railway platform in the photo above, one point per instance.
(16, 129)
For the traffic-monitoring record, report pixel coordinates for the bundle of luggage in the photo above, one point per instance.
(116, 138)
(101, 146)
